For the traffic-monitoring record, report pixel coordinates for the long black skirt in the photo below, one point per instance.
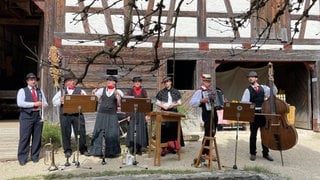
(137, 126)
(106, 138)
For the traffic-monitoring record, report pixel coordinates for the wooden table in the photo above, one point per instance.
(158, 117)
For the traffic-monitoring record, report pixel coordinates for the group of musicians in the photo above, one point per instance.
(105, 140)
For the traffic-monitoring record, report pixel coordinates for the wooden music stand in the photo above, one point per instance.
(238, 111)
(134, 105)
(79, 103)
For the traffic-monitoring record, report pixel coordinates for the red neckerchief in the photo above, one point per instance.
(137, 90)
(110, 87)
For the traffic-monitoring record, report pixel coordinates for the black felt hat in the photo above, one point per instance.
(31, 75)
(68, 76)
(135, 79)
(112, 78)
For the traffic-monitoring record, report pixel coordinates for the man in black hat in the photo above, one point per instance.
(168, 99)
(71, 121)
(137, 121)
(31, 100)
(256, 94)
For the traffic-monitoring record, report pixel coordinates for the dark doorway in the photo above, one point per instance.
(291, 78)
(21, 24)
(183, 72)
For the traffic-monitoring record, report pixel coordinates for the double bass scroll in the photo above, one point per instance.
(277, 134)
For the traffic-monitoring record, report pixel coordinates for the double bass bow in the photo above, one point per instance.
(277, 134)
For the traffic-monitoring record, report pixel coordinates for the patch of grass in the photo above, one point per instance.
(114, 173)
(258, 170)
(51, 130)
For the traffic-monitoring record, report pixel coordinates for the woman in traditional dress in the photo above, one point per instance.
(137, 121)
(107, 126)
(168, 99)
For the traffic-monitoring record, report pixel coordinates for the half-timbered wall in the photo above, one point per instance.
(201, 36)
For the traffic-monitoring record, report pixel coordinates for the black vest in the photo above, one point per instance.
(28, 98)
(256, 98)
(107, 104)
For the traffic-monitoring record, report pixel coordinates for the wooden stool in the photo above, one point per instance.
(212, 146)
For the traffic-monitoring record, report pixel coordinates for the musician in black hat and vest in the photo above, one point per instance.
(107, 126)
(30, 100)
(70, 121)
(256, 93)
(137, 121)
(168, 99)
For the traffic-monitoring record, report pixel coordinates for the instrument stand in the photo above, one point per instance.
(236, 148)
(232, 111)
(212, 145)
(135, 105)
(104, 148)
(135, 162)
(77, 162)
(79, 104)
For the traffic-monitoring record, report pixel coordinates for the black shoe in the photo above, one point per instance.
(252, 157)
(139, 153)
(267, 157)
(35, 160)
(172, 151)
(143, 150)
(86, 153)
(22, 163)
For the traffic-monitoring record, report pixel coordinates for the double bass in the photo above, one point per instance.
(277, 134)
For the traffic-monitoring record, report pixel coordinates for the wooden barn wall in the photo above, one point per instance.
(134, 63)
(315, 96)
(141, 59)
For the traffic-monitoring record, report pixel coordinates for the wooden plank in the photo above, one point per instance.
(231, 16)
(218, 54)
(148, 18)
(303, 26)
(202, 19)
(107, 16)
(170, 17)
(212, 40)
(60, 18)
(84, 17)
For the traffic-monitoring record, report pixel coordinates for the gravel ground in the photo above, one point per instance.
(300, 162)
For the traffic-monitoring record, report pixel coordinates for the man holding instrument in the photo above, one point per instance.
(256, 94)
(203, 98)
(30, 100)
(67, 120)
